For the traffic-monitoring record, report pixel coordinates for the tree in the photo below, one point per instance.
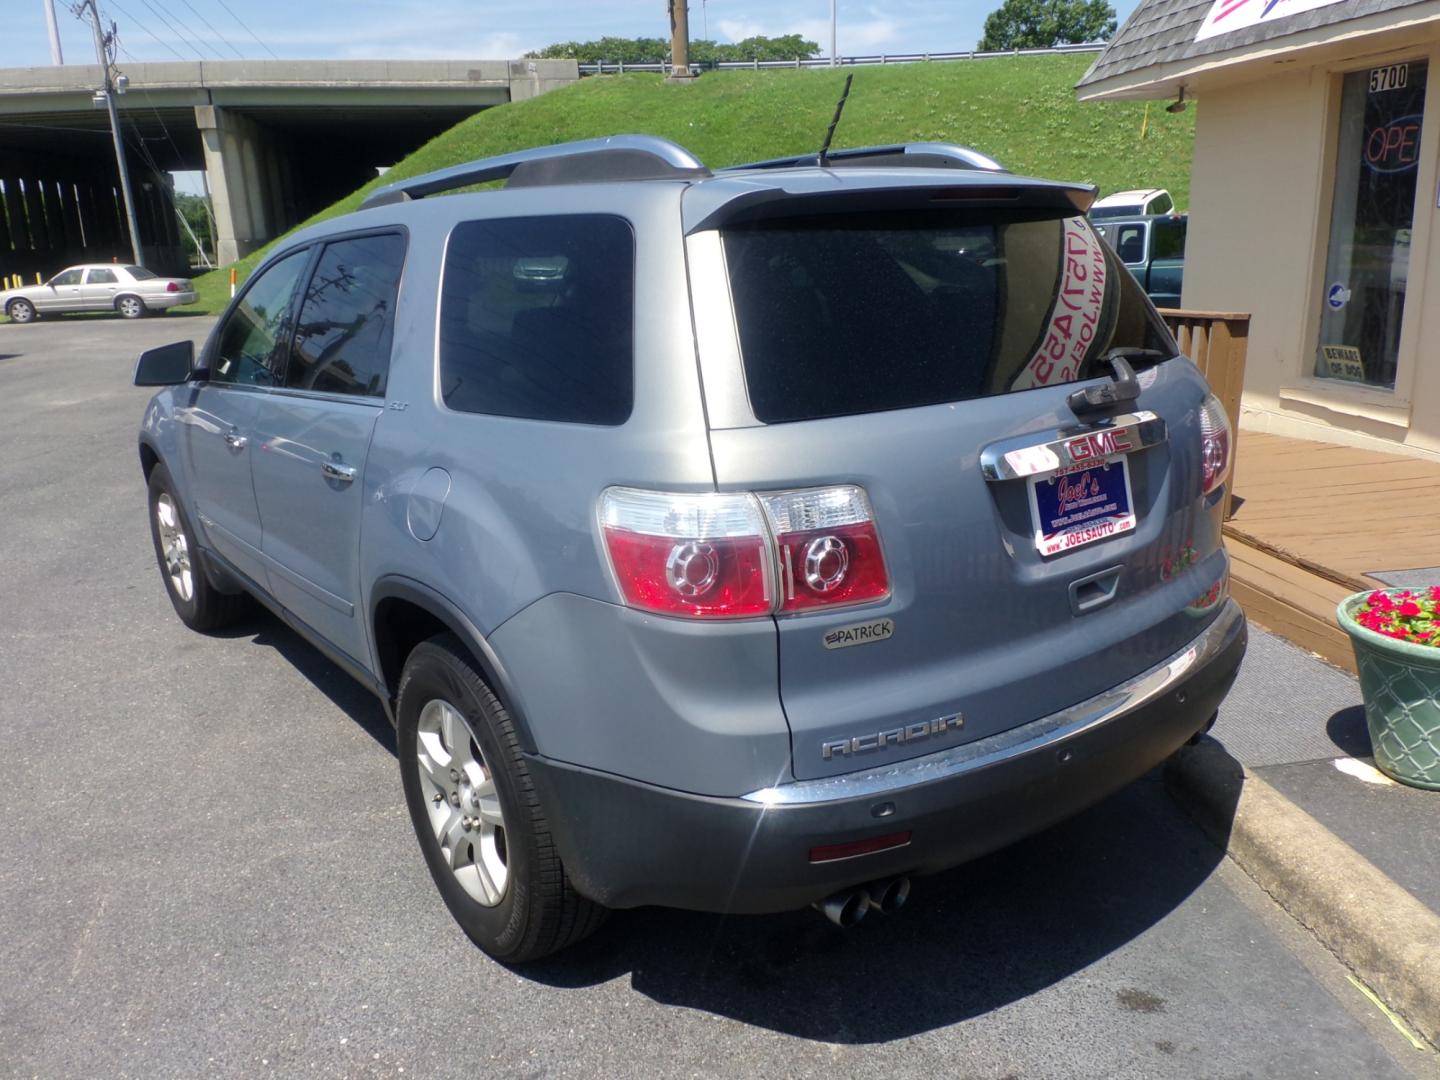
(1040, 24)
(613, 50)
(193, 209)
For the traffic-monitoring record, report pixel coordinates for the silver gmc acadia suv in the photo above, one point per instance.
(733, 540)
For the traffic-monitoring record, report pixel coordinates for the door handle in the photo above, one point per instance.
(335, 470)
(235, 440)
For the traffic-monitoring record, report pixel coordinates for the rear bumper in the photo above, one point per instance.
(160, 301)
(626, 843)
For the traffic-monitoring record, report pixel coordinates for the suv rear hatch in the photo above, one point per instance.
(1036, 555)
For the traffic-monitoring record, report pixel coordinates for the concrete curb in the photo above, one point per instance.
(1384, 935)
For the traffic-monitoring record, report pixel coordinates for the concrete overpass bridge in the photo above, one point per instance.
(276, 139)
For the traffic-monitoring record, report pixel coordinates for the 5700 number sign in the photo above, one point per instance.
(1394, 77)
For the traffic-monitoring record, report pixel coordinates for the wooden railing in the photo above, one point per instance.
(1216, 341)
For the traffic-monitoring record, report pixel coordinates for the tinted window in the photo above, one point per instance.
(1167, 239)
(347, 317)
(1162, 204)
(66, 277)
(247, 351)
(101, 277)
(1128, 242)
(537, 318)
(1099, 213)
(863, 315)
(139, 273)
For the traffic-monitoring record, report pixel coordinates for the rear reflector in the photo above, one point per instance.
(852, 848)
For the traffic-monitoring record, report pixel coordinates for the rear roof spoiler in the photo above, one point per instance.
(734, 199)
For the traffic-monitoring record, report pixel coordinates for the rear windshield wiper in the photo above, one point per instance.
(1124, 389)
(1134, 352)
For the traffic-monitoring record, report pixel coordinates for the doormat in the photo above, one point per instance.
(1408, 579)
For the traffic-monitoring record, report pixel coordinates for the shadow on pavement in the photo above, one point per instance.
(1348, 731)
(970, 941)
(265, 630)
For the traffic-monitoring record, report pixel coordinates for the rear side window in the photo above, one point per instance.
(838, 317)
(1169, 239)
(537, 318)
(347, 317)
(101, 276)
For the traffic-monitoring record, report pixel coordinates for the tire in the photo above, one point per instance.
(20, 311)
(508, 889)
(131, 307)
(198, 603)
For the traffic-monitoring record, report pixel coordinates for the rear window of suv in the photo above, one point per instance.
(838, 317)
(537, 318)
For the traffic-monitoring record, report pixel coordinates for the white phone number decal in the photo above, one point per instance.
(1086, 533)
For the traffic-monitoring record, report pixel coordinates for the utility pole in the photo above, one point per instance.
(834, 56)
(102, 53)
(56, 56)
(679, 39)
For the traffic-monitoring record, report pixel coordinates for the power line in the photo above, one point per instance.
(142, 26)
(217, 33)
(247, 29)
(174, 29)
(25, 126)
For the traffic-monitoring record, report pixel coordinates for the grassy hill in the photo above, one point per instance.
(1021, 111)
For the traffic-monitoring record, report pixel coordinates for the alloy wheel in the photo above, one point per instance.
(174, 548)
(462, 803)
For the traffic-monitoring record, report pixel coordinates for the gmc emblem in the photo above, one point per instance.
(1099, 444)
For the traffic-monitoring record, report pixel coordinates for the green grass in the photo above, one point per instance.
(1021, 111)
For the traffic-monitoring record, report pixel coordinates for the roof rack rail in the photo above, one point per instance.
(906, 155)
(588, 161)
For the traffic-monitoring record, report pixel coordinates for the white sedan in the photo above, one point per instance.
(133, 291)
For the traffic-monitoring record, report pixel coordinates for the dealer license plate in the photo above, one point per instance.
(1081, 506)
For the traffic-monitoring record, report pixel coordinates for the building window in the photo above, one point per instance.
(1381, 110)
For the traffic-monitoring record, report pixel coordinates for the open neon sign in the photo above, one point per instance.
(1394, 146)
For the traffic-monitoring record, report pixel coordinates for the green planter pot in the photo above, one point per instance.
(1401, 686)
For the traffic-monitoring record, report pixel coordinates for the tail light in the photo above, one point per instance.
(721, 555)
(827, 547)
(1215, 445)
(702, 555)
(172, 286)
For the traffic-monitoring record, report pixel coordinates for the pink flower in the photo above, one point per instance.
(1409, 608)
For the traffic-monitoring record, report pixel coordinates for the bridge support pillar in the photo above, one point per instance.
(247, 171)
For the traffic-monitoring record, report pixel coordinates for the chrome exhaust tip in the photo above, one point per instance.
(887, 896)
(845, 908)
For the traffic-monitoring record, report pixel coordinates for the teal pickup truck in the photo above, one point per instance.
(1153, 249)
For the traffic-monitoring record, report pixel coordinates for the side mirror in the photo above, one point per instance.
(166, 365)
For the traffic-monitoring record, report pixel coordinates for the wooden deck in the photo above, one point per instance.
(1312, 521)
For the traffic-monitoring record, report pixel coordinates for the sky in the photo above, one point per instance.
(472, 29)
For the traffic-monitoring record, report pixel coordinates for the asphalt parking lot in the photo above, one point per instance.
(206, 868)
